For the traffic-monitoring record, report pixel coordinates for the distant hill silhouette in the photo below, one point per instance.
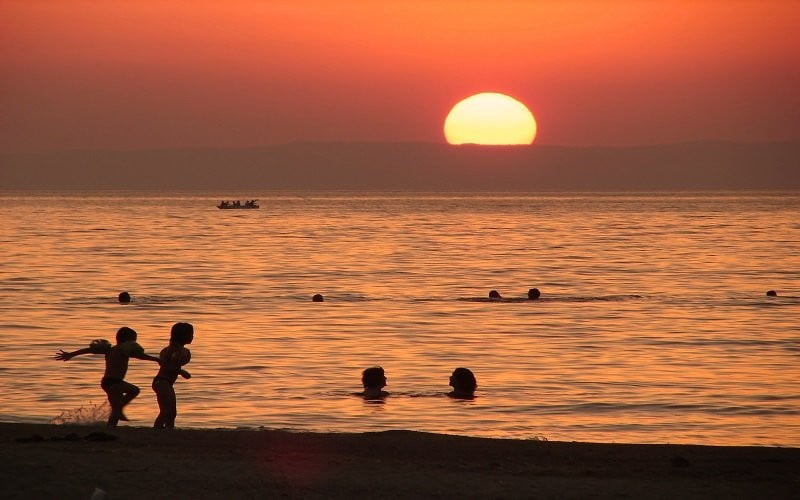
(414, 166)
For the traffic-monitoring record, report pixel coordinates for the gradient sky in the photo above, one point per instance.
(158, 74)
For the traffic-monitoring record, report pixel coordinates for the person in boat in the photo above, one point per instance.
(463, 383)
(374, 380)
(237, 203)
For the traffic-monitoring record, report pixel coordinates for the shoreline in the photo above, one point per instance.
(70, 461)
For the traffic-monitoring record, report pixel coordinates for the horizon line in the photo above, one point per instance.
(396, 143)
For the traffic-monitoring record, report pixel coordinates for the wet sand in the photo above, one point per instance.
(47, 461)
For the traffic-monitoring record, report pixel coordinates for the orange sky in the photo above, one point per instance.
(143, 74)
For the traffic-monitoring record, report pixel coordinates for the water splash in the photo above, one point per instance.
(84, 415)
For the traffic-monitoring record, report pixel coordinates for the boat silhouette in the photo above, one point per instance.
(235, 205)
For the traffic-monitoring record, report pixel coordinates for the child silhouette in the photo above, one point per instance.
(119, 392)
(172, 358)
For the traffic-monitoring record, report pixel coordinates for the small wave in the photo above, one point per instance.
(423, 394)
(22, 279)
(393, 394)
(350, 297)
(758, 302)
(607, 298)
(89, 230)
(154, 299)
(781, 300)
(237, 368)
(599, 298)
(16, 326)
(135, 299)
(601, 407)
(760, 342)
(150, 300)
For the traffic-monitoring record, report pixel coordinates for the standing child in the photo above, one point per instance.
(119, 392)
(172, 358)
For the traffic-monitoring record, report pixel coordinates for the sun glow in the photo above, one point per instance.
(490, 118)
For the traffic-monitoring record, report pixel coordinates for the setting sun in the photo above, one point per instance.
(490, 118)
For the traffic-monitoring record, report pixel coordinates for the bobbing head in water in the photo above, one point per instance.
(494, 294)
(772, 293)
(463, 383)
(534, 293)
(124, 297)
(374, 380)
(317, 298)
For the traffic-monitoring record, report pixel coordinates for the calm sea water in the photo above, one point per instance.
(653, 324)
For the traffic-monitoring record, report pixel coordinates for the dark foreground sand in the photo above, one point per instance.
(45, 461)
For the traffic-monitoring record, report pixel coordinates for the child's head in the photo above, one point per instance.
(463, 381)
(373, 378)
(181, 333)
(126, 334)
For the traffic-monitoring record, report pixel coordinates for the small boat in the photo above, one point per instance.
(238, 205)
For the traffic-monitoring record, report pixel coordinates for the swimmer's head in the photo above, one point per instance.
(124, 297)
(126, 334)
(181, 333)
(534, 293)
(772, 293)
(373, 378)
(317, 298)
(463, 381)
(494, 294)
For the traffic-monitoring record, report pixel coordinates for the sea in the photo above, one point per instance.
(653, 324)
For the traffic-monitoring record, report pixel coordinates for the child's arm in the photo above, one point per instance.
(183, 373)
(62, 355)
(146, 357)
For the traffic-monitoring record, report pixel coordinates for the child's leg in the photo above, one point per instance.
(165, 394)
(130, 392)
(115, 396)
(173, 412)
(158, 389)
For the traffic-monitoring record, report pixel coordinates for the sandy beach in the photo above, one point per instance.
(47, 461)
